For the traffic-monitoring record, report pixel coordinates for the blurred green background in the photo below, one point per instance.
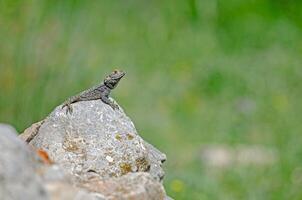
(198, 72)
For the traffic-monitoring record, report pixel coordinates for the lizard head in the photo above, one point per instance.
(112, 79)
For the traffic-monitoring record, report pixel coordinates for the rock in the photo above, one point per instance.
(217, 156)
(245, 105)
(95, 153)
(133, 186)
(256, 155)
(223, 156)
(96, 140)
(18, 165)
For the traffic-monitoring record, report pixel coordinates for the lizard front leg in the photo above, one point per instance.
(106, 100)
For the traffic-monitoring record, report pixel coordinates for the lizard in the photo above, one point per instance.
(100, 91)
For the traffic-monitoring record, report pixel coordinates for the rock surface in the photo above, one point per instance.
(18, 178)
(96, 140)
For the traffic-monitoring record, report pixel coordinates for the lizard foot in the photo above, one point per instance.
(114, 106)
(69, 108)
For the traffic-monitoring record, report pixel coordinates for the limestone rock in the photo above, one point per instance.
(18, 178)
(96, 140)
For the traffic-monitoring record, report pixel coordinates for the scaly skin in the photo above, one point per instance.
(100, 91)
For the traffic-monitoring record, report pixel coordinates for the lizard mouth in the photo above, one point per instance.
(121, 75)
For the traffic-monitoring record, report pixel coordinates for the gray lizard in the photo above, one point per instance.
(100, 91)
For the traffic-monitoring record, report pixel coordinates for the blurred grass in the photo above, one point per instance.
(190, 65)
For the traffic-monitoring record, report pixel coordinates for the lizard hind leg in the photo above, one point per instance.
(69, 108)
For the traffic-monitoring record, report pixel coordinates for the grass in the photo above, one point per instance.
(190, 65)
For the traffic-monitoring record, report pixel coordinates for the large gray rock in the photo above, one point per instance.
(96, 140)
(18, 165)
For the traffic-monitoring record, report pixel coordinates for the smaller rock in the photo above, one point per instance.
(217, 156)
(18, 165)
(223, 156)
(256, 155)
(245, 106)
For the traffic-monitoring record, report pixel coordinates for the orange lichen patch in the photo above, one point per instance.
(118, 137)
(125, 168)
(129, 136)
(142, 164)
(43, 155)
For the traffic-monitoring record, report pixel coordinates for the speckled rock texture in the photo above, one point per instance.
(18, 178)
(96, 140)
